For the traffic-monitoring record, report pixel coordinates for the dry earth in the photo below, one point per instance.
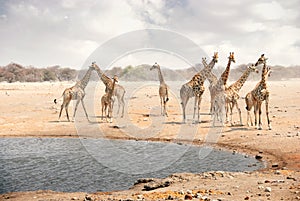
(28, 111)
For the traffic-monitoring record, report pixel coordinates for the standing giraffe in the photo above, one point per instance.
(118, 91)
(75, 93)
(250, 100)
(232, 93)
(213, 79)
(218, 94)
(260, 93)
(163, 90)
(107, 102)
(195, 87)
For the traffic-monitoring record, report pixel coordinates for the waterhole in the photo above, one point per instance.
(28, 164)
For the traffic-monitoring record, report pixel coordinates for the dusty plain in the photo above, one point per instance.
(27, 110)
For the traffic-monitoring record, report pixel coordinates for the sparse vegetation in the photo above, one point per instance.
(17, 73)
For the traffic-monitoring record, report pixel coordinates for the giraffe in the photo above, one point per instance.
(195, 87)
(106, 101)
(163, 90)
(118, 91)
(75, 93)
(260, 93)
(250, 101)
(232, 92)
(213, 79)
(218, 95)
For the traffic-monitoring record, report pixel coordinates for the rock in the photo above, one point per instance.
(260, 182)
(169, 198)
(275, 165)
(247, 198)
(198, 195)
(260, 187)
(258, 157)
(268, 189)
(88, 198)
(74, 198)
(292, 178)
(189, 192)
(188, 197)
(140, 197)
(277, 171)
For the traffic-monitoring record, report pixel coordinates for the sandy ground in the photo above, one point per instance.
(28, 111)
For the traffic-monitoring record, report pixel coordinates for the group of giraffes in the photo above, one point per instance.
(77, 92)
(223, 97)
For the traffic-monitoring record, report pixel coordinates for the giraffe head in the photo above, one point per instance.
(155, 66)
(262, 60)
(115, 78)
(94, 65)
(215, 57)
(231, 57)
(253, 68)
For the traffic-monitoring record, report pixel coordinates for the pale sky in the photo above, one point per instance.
(67, 32)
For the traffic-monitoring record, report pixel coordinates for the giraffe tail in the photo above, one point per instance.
(56, 99)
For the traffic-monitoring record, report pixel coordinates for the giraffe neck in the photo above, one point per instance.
(240, 82)
(206, 71)
(110, 92)
(264, 78)
(160, 76)
(225, 74)
(106, 80)
(85, 80)
(264, 71)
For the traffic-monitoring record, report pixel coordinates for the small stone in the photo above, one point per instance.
(268, 189)
(140, 197)
(198, 195)
(258, 157)
(277, 172)
(188, 197)
(145, 119)
(260, 187)
(181, 192)
(189, 192)
(292, 178)
(260, 182)
(298, 198)
(275, 165)
(74, 198)
(247, 198)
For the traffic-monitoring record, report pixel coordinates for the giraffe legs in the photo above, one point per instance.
(267, 113)
(239, 111)
(198, 107)
(184, 101)
(82, 103)
(259, 126)
(77, 103)
(195, 106)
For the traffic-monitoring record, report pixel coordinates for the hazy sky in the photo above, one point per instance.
(67, 32)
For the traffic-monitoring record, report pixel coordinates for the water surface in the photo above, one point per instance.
(69, 165)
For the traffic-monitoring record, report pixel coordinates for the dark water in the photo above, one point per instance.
(89, 165)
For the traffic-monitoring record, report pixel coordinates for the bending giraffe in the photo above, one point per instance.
(118, 91)
(260, 93)
(75, 93)
(163, 90)
(195, 88)
(232, 91)
(107, 102)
